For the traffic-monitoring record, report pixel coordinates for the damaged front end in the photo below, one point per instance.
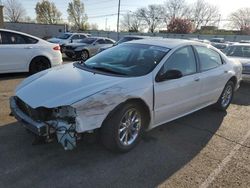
(46, 122)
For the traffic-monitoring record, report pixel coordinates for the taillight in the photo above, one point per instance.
(56, 48)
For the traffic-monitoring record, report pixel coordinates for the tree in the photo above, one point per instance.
(179, 25)
(131, 22)
(204, 14)
(93, 26)
(14, 11)
(77, 15)
(47, 13)
(176, 9)
(152, 16)
(240, 19)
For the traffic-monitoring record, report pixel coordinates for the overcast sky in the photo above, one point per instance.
(100, 10)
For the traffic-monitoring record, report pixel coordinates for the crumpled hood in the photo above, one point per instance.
(63, 85)
(244, 61)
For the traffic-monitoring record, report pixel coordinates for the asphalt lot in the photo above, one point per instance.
(208, 148)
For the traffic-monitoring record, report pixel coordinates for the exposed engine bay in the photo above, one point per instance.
(48, 122)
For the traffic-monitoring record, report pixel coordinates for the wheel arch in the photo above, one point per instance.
(234, 80)
(139, 101)
(39, 56)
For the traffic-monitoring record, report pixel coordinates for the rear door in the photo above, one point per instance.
(15, 51)
(97, 45)
(213, 74)
(174, 98)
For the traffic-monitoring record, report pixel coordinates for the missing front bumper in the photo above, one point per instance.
(66, 134)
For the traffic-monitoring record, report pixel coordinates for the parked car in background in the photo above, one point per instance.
(126, 90)
(241, 52)
(219, 43)
(20, 52)
(88, 47)
(125, 39)
(66, 38)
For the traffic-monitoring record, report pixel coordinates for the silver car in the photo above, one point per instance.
(241, 52)
(85, 48)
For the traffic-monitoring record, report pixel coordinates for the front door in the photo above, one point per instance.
(176, 97)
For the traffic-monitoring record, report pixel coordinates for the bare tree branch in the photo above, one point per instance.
(204, 14)
(240, 19)
(14, 11)
(152, 16)
(131, 22)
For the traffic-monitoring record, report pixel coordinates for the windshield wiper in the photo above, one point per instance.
(104, 69)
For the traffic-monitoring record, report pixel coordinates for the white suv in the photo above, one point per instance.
(20, 52)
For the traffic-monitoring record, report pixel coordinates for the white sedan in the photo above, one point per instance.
(126, 90)
(21, 52)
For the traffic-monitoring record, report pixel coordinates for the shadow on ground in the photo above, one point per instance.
(10, 76)
(242, 96)
(162, 152)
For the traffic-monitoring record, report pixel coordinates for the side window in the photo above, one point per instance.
(82, 37)
(108, 41)
(75, 37)
(183, 60)
(12, 38)
(209, 59)
(100, 41)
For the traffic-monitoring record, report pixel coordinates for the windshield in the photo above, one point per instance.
(64, 36)
(87, 40)
(238, 51)
(127, 59)
(126, 39)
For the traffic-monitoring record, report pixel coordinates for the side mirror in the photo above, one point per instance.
(169, 75)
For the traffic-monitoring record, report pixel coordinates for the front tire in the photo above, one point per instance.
(123, 129)
(84, 55)
(226, 96)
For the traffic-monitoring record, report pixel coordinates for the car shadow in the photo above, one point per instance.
(10, 76)
(242, 96)
(162, 152)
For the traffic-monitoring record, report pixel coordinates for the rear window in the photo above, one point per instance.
(238, 51)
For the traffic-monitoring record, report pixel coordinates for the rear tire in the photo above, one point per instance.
(39, 64)
(123, 129)
(226, 96)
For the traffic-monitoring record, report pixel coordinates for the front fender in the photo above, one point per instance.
(92, 111)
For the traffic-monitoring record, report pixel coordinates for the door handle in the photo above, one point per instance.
(197, 79)
(226, 71)
(29, 47)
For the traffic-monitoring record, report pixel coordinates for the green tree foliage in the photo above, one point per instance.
(76, 15)
(47, 13)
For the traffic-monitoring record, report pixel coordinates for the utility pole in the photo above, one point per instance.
(118, 18)
(1, 15)
(106, 22)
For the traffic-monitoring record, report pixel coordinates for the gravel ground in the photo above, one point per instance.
(205, 149)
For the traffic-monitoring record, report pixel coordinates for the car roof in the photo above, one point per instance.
(168, 43)
(21, 33)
